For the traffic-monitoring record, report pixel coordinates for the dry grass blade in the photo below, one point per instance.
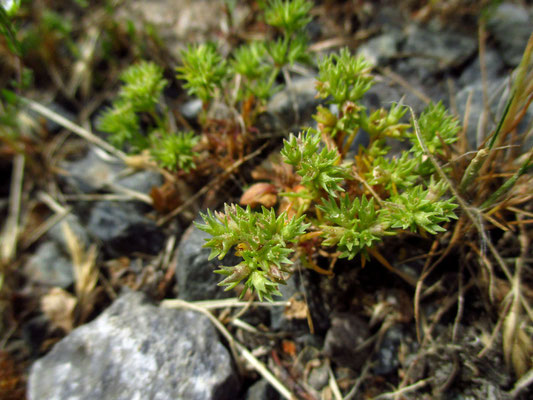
(11, 228)
(224, 303)
(82, 71)
(517, 345)
(470, 212)
(407, 389)
(85, 271)
(133, 194)
(84, 133)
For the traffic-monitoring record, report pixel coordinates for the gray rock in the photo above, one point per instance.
(510, 25)
(381, 49)
(387, 355)
(194, 272)
(123, 229)
(142, 181)
(319, 377)
(472, 73)
(262, 390)
(50, 266)
(182, 21)
(90, 173)
(301, 92)
(94, 172)
(344, 340)
(430, 52)
(191, 109)
(474, 135)
(135, 350)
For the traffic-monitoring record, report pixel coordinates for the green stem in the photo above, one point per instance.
(473, 169)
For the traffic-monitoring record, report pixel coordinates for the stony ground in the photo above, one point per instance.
(86, 315)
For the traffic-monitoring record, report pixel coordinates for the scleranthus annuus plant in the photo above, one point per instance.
(263, 241)
(138, 100)
(349, 206)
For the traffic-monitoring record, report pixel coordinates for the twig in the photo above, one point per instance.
(410, 388)
(43, 228)
(209, 186)
(333, 384)
(523, 383)
(460, 305)
(223, 303)
(383, 261)
(133, 194)
(84, 133)
(362, 375)
(97, 197)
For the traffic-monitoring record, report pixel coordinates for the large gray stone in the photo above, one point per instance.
(135, 350)
(141, 181)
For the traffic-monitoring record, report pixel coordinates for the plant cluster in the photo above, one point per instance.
(243, 83)
(261, 239)
(253, 68)
(350, 205)
(135, 120)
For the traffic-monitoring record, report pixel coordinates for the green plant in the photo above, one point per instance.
(348, 205)
(203, 71)
(135, 121)
(261, 239)
(7, 10)
(253, 67)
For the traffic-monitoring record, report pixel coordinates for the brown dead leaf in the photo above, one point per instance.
(259, 193)
(297, 309)
(58, 305)
(289, 347)
(166, 197)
